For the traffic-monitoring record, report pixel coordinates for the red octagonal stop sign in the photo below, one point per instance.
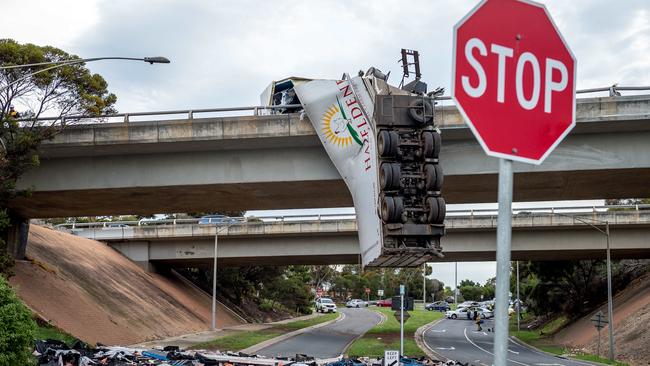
(514, 79)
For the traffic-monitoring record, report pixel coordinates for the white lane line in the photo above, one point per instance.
(511, 351)
(488, 352)
(438, 331)
(549, 364)
(448, 349)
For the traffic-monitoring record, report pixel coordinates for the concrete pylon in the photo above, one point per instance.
(15, 236)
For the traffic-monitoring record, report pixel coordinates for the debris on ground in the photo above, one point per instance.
(56, 353)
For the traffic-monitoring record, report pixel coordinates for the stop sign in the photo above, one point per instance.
(514, 79)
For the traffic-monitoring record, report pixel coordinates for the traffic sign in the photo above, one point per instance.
(380, 292)
(513, 79)
(406, 315)
(367, 290)
(599, 320)
(391, 358)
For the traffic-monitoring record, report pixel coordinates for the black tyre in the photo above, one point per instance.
(357, 306)
(454, 316)
(386, 176)
(387, 208)
(399, 209)
(394, 142)
(397, 175)
(436, 210)
(433, 177)
(421, 111)
(432, 142)
(383, 143)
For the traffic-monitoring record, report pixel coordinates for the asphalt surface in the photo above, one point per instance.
(459, 340)
(329, 340)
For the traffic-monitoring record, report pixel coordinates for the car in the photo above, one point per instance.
(483, 312)
(460, 313)
(325, 305)
(385, 303)
(356, 303)
(437, 305)
(217, 219)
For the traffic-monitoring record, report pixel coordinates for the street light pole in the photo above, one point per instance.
(610, 301)
(230, 221)
(58, 64)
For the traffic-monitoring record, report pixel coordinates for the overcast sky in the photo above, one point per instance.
(224, 53)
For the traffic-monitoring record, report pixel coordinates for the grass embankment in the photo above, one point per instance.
(245, 339)
(51, 332)
(542, 339)
(386, 335)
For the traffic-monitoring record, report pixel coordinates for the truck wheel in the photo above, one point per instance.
(421, 111)
(432, 142)
(387, 208)
(433, 177)
(386, 176)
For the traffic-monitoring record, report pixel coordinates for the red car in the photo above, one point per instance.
(385, 303)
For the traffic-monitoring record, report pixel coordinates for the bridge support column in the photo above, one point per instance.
(15, 236)
(137, 252)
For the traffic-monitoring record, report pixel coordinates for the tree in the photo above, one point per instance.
(17, 328)
(59, 93)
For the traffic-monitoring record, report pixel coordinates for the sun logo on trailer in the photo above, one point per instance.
(337, 127)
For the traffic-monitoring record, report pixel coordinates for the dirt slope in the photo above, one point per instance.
(96, 294)
(631, 326)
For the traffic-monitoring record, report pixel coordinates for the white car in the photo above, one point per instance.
(356, 303)
(460, 313)
(325, 305)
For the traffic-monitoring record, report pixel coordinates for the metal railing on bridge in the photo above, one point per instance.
(612, 91)
(614, 214)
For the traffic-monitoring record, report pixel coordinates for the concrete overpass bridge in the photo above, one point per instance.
(273, 162)
(538, 234)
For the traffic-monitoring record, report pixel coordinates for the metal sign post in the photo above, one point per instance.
(401, 320)
(504, 235)
(599, 322)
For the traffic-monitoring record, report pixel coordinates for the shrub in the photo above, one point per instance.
(17, 329)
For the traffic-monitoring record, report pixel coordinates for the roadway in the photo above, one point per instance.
(459, 340)
(327, 341)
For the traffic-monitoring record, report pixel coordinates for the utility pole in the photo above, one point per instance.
(456, 285)
(518, 301)
(424, 285)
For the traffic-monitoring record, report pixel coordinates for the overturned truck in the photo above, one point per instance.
(384, 143)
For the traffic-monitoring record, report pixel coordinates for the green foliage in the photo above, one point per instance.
(17, 328)
(386, 335)
(35, 91)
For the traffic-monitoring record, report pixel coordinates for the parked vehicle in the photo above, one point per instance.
(460, 313)
(325, 305)
(438, 306)
(484, 313)
(356, 303)
(217, 219)
(385, 303)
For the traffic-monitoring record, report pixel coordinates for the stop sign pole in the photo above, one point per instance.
(513, 81)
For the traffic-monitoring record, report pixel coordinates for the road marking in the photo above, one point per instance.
(511, 351)
(488, 352)
(549, 364)
(483, 364)
(448, 349)
(484, 333)
(438, 331)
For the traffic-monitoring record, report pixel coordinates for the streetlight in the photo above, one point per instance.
(610, 306)
(57, 64)
(224, 223)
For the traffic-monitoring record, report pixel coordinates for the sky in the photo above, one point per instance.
(224, 53)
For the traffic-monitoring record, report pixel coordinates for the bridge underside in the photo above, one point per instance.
(343, 248)
(529, 186)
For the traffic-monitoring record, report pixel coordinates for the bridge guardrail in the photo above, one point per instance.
(304, 224)
(613, 91)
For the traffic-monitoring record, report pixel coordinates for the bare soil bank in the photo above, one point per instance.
(94, 293)
(631, 326)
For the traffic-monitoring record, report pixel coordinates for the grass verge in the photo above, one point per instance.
(51, 332)
(245, 339)
(386, 335)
